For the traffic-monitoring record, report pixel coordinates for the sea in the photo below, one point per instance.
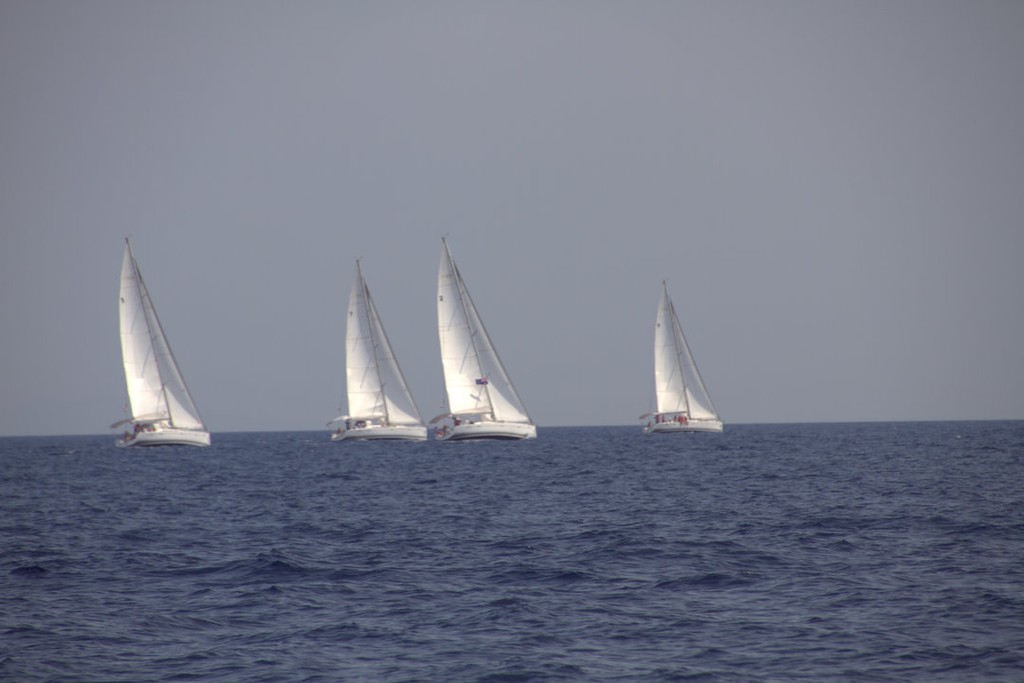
(785, 552)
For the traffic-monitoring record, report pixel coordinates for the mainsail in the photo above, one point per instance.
(678, 385)
(156, 388)
(475, 379)
(376, 386)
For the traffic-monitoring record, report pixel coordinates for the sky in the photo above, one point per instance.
(833, 191)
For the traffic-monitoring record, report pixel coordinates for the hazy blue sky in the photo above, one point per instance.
(834, 191)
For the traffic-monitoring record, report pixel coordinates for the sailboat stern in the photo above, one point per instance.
(158, 435)
(466, 430)
(380, 432)
(672, 424)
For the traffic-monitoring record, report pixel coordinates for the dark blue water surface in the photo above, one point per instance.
(852, 552)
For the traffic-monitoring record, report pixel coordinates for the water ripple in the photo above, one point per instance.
(768, 553)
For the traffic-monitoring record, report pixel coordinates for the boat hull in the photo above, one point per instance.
(487, 430)
(167, 436)
(690, 426)
(381, 433)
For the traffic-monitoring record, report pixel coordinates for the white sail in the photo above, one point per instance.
(679, 389)
(475, 378)
(376, 387)
(157, 391)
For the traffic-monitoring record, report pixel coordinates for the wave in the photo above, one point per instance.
(771, 553)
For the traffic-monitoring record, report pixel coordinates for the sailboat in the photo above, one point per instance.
(162, 410)
(683, 402)
(482, 402)
(379, 403)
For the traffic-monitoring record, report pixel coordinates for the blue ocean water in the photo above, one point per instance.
(844, 552)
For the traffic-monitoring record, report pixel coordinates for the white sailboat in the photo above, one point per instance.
(683, 402)
(163, 412)
(482, 402)
(379, 403)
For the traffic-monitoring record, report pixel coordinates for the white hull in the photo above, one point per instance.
(166, 436)
(372, 432)
(486, 430)
(690, 426)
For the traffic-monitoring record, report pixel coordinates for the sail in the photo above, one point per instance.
(156, 389)
(376, 386)
(475, 379)
(678, 385)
